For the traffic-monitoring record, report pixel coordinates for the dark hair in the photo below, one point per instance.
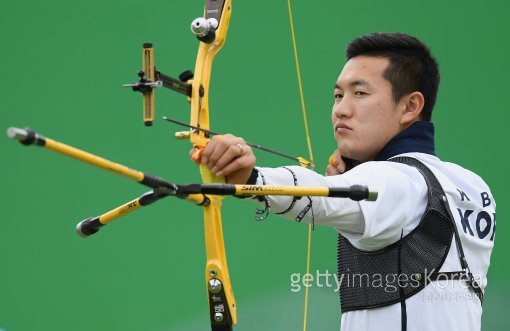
(412, 67)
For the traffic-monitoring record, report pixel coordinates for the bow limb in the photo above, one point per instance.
(222, 304)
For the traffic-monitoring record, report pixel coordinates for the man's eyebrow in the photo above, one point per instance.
(359, 82)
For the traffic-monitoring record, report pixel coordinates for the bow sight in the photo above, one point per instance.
(150, 78)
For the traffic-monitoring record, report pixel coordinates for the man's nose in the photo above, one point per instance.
(343, 108)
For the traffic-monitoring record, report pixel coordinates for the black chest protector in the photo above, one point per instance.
(371, 279)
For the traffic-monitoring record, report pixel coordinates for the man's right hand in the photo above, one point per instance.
(336, 165)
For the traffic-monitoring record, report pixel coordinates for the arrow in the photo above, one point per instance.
(300, 160)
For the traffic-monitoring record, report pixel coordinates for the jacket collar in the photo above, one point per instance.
(418, 138)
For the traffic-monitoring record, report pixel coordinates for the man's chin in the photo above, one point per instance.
(348, 154)
(345, 151)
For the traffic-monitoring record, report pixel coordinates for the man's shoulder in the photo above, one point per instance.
(453, 176)
(437, 164)
(450, 169)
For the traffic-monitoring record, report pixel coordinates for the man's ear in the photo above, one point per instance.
(412, 105)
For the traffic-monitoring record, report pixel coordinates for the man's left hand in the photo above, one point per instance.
(229, 156)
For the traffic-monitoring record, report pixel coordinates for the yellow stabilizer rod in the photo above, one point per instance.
(92, 225)
(30, 137)
(353, 192)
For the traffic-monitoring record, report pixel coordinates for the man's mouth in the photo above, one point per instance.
(342, 128)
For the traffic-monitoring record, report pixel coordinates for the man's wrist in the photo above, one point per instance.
(252, 180)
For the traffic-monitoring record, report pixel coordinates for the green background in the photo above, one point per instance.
(63, 64)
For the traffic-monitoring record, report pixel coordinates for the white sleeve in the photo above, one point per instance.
(368, 225)
(343, 214)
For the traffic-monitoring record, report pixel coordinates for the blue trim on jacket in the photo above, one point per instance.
(419, 138)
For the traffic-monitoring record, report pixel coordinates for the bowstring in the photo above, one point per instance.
(309, 143)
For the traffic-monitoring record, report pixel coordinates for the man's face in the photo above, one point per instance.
(364, 115)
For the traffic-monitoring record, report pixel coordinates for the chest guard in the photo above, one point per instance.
(371, 279)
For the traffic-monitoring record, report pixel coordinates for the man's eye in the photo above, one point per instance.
(360, 93)
(338, 96)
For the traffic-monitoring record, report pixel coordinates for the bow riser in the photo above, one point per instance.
(219, 288)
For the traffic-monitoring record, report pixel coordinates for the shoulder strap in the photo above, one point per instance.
(473, 284)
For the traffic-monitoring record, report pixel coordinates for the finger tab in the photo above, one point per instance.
(197, 154)
(331, 160)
